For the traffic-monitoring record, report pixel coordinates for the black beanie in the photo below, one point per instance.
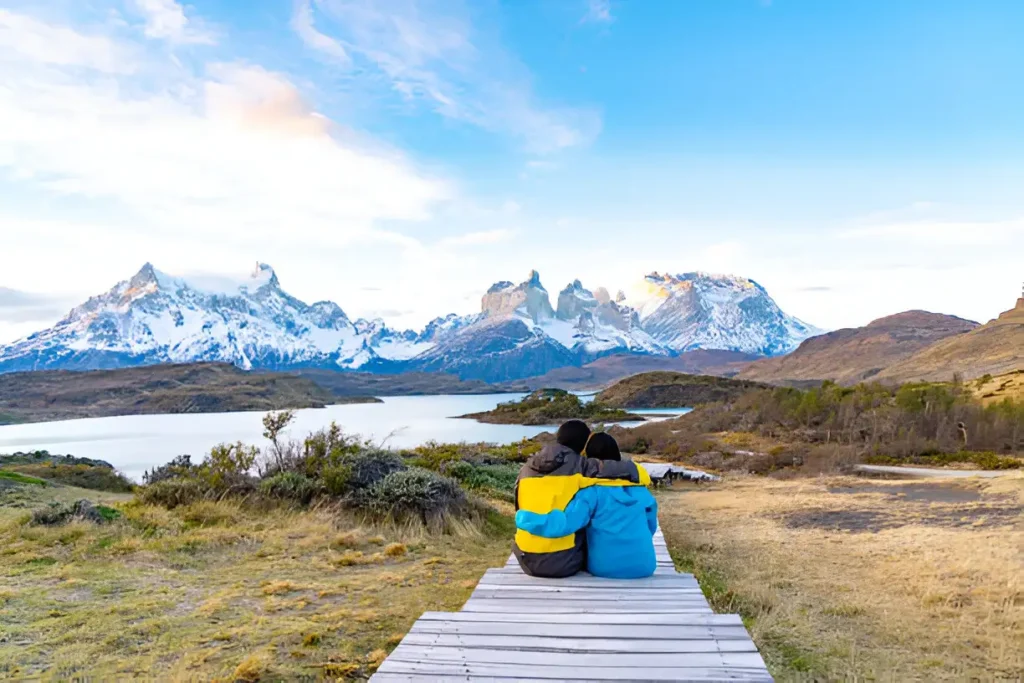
(573, 434)
(603, 446)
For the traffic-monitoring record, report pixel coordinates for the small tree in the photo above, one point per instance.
(273, 425)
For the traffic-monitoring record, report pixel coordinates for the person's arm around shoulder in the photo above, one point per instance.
(651, 509)
(557, 523)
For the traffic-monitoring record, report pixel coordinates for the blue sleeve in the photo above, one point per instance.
(652, 512)
(556, 523)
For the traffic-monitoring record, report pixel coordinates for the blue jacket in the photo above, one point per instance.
(622, 521)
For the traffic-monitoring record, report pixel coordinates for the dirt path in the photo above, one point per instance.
(937, 473)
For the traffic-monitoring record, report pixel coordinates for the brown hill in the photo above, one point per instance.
(190, 388)
(604, 371)
(995, 348)
(854, 354)
(672, 390)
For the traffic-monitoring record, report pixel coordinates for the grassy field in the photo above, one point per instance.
(217, 591)
(853, 579)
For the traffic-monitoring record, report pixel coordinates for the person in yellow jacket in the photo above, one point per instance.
(548, 481)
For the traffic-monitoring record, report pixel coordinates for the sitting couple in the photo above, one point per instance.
(580, 506)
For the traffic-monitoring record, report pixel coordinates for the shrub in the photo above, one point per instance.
(496, 480)
(412, 493)
(371, 466)
(290, 486)
(227, 467)
(170, 493)
(209, 513)
(61, 513)
(181, 466)
(336, 479)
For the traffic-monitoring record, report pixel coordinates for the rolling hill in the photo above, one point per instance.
(995, 348)
(672, 390)
(856, 354)
(194, 388)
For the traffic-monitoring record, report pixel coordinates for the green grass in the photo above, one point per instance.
(20, 478)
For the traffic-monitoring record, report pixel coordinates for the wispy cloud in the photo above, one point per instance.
(478, 238)
(18, 307)
(227, 151)
(598, 12)
(433, 54)
(303, 25)
(166, 20)
(26, 39)
(925, 234)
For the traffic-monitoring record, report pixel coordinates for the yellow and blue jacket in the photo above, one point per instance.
(548, 481)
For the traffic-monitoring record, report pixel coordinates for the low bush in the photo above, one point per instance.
(62, 513)
(170, 493)
(413, 493)
(290, 486)
(181, 466)
(497, 481)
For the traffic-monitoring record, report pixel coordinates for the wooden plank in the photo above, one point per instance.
(662, 570)
(593, 596)
(654, 660)
(569, 644)
(619, 619)
(583, 630)
(589, 578)
(574, 607)
(583, 592)
(503, 673)
(571, 667)
(650, 583)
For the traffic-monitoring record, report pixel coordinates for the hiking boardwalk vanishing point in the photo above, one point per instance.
(516, 627)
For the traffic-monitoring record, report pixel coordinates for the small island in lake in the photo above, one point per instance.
(672, 390)
(548, 406)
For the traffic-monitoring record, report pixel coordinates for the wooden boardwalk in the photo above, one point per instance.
(516, 627)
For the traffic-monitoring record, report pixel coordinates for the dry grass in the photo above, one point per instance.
(219, 591)
(926, 585)
(999, 388)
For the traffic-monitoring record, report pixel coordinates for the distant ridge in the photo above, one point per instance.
(994, 348)
(856, 354)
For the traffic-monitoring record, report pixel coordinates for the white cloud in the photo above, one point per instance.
(927, 234)
(598, 12)
(478, 238)
(433, 54)
(302, 24)
(24, 38)
(177, 164)
(166, 20)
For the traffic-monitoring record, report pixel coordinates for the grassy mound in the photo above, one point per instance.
(550, 406)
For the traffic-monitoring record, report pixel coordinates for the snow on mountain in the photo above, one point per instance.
(702, 311)
(252, 322)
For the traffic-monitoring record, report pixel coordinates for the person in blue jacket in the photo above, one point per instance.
(620, 521)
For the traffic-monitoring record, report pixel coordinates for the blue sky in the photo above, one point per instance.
(856, 158)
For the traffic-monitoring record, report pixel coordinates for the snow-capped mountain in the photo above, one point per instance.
(518, 333)
(252, 322)
(701, 311)
(157, 318)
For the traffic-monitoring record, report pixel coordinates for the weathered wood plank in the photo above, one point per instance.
(574, 607)
(579, 592)
(617, 619)
(423, 671)
(525, 658)
(583, 630)
(583, 578)
(568, 643)
(638, 596)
